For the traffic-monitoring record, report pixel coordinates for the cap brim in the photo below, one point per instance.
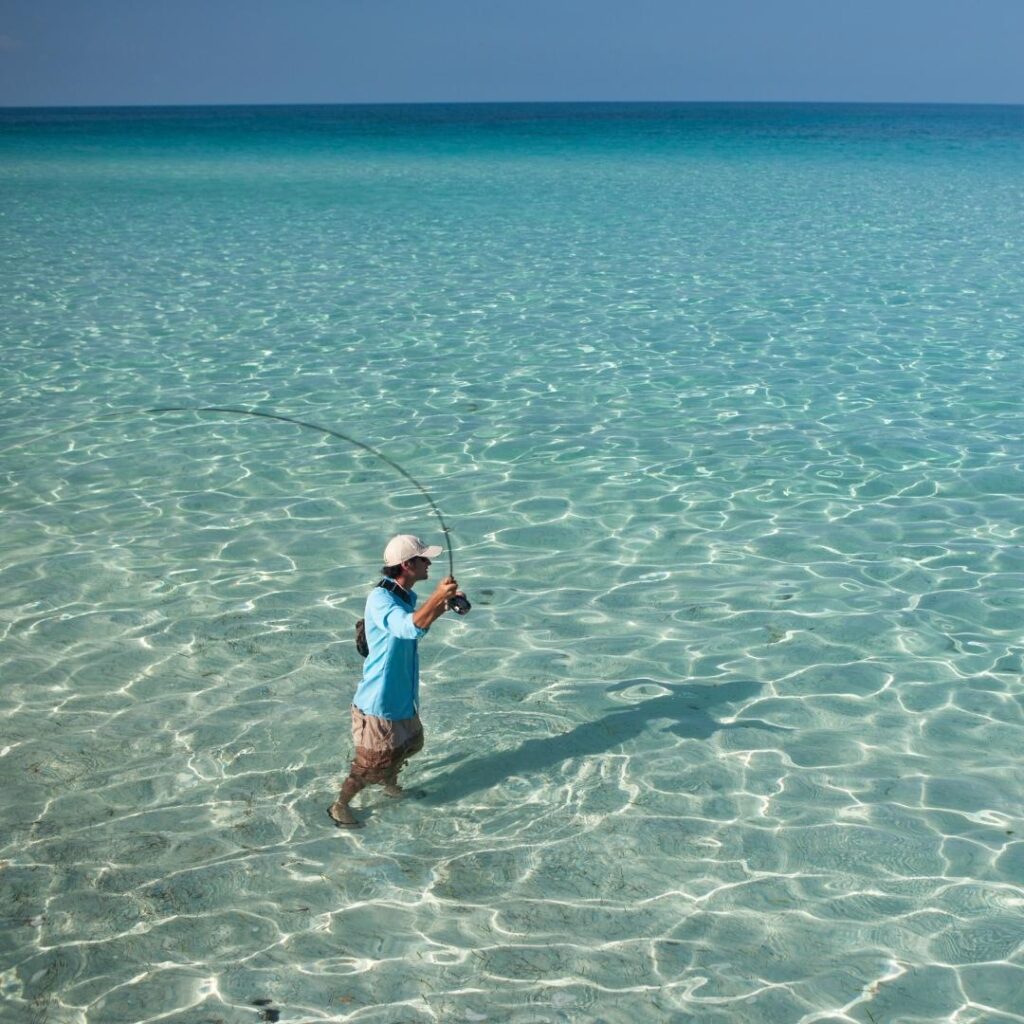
(431, 552)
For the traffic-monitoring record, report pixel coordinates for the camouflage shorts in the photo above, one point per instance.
(383, 746)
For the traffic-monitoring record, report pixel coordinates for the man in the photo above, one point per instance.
(386, 728)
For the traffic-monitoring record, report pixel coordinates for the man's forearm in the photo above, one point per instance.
(433, 608)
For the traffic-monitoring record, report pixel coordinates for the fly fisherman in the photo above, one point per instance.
(386, 729)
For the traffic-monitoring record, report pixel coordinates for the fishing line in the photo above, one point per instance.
(235, 411)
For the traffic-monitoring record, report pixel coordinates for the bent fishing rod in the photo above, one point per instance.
(461, 606)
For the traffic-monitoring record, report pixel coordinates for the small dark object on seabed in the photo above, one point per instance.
(267, 1012)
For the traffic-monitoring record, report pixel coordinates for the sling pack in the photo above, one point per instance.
(361, 645)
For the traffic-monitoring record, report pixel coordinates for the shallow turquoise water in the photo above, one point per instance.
(723, 407)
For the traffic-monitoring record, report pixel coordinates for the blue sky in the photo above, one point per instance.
(56, 52)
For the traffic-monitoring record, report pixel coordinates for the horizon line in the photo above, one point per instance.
(509, 103)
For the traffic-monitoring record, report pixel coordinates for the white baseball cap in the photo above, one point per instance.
(405, 546)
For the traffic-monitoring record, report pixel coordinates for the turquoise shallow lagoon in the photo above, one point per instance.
(723, 407)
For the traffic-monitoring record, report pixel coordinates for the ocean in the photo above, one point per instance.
(721, 406)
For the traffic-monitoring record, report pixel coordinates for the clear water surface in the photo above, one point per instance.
(723, 407)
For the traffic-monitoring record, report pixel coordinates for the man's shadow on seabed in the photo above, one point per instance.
(684, 705)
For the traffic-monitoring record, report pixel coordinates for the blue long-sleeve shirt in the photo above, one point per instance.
(390, 687)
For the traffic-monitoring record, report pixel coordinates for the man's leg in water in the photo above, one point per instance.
(391, 784)
(339, 810)
(359, 776)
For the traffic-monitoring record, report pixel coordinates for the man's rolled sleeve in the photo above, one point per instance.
(398, 622)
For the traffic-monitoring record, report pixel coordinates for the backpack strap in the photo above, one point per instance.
(394, 588)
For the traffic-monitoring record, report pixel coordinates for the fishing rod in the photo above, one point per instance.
(233, 410)
(459, 604)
